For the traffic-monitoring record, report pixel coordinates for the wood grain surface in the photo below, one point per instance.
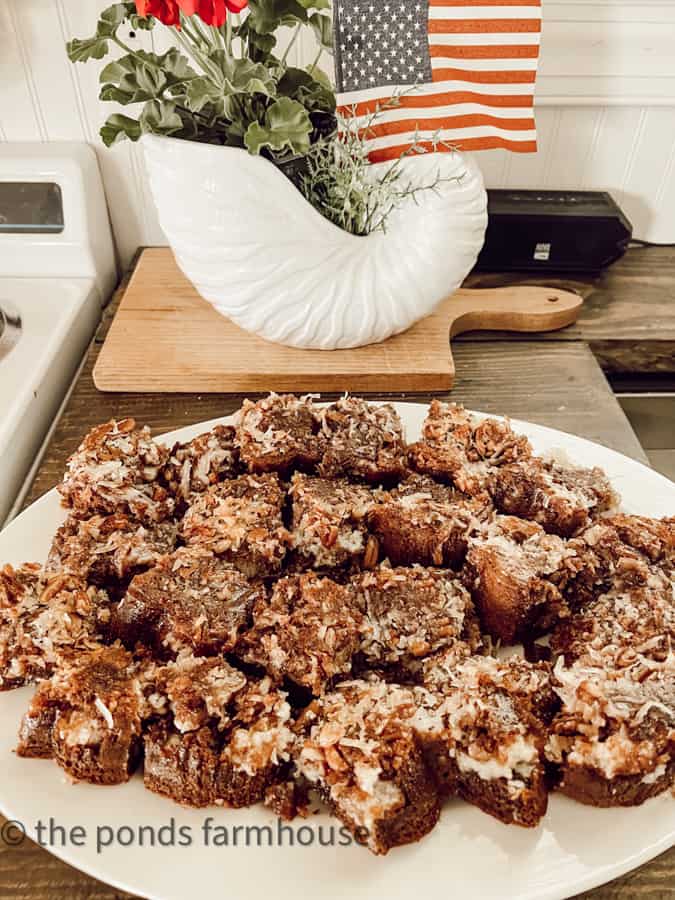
(162, 317)
(551, 383)
(628, 317)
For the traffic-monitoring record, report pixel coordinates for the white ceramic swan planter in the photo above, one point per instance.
(264, 257)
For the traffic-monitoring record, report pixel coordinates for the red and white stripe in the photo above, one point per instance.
(484, 62)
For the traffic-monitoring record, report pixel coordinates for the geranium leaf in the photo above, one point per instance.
(118, 127)
(160, 118)
(128, 80)
(286, 126)
(322, 26)
(265, 16)
(315, 4)
(307, 89)
(323, 79)
(175, 66)
(112, 17)
(89, 48)
(245, 77)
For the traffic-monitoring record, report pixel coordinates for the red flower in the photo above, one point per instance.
(213, 12)
(166, 11)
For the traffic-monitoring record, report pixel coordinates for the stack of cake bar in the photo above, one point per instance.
(304, 602)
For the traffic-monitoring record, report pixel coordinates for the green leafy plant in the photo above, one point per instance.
(342, 184)
(222, 84)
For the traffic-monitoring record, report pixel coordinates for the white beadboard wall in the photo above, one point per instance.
(605, 107)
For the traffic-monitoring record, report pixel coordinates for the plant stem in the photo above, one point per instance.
(129, 50)
(218, 39)
(292, 41)
(316, 61)
(190, 44)
(228, 35)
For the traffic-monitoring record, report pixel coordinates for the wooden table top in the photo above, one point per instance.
(554, 381)
(628, 318)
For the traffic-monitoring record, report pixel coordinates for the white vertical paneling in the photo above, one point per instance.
(573, 141)
(529, 170)
(608, 162)
(663, 223)
(649, 168)
(50, 73)
(605, 106)
(493, 165)
(19, 114)
(126, 212)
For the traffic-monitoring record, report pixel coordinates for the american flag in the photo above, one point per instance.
(461, 72)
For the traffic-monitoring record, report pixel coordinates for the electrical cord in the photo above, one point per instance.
(636, 243)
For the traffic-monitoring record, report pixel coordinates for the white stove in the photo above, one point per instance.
(57, 271)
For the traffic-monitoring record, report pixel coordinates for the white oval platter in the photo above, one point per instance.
(467, 855)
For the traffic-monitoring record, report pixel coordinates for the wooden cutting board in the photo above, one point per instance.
(166, 339)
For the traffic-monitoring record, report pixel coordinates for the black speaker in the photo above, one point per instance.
(553, 231)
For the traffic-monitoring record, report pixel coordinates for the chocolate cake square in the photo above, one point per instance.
(257, 748)
(422, 521)
(307, 630)
(116, 469)
(181, 766)
(653, 538)
(107, 550)
(223, 738)
(329, 522)
(612, 740)
(241, 521)
(91, 711)
(410, 613)
(359, 750)
(463, 450)
(529, 682)
(618, 628)
(515, 572)
(43, 620)
(622, 553)
(562, 499)
(190, 601)
(279, 434)
(364, 441)
(485, 739)
(198, 464)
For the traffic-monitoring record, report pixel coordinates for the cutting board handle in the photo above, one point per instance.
(514, 308)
